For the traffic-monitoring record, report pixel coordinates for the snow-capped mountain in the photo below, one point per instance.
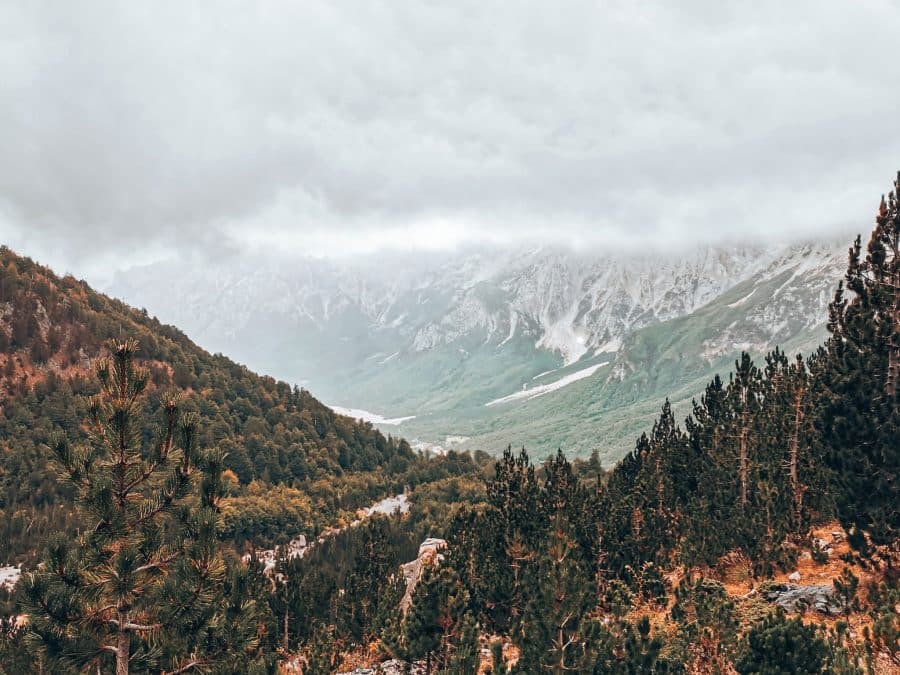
(571, 304)
(437, 334)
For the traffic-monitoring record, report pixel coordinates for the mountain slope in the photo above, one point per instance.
(52, 328)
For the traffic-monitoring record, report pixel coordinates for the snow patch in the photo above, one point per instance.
(743, 300)
(366, 416)
(513, 322)
(540, 390)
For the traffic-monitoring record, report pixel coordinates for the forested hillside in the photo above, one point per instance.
(759, 535)
(294, 465)
(777, 495)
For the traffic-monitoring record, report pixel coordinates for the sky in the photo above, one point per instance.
(132, 132)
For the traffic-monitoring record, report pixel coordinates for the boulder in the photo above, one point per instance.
(794, 576)
(9, 576)
(392, 667)
(429, 554)
(792, 598)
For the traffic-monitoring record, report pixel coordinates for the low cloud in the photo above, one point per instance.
(132, 131)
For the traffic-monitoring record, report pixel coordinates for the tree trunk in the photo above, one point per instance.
(796, 488)
(122, 653)
(744, 466)
(659, 484)
(561, 662)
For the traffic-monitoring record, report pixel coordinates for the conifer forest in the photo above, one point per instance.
(153, 478)
(449, 338)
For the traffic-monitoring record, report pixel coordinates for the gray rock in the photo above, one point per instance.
(793, 598)
(392, 667)
(9, 576)
(794, 576)
(429, 554)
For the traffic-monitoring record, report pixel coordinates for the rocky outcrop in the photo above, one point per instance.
(9, 576)
(429, 554)
(296, 548)
(392, 667)
(793, 598)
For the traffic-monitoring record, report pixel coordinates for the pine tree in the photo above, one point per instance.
(619, 647)
(563, 493)
(780, 430)
(465, 657)
(780, 645)
(620, 514)
(147, 570)
(366, 603)
(661, 487)
(498, 661)
(743, 404)
(706, 431)
(705, 617)
(516, 520)
(438, 623)
(559, 596)
(323, 654)
(859, 415)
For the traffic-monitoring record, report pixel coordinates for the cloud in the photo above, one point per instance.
(133, 130)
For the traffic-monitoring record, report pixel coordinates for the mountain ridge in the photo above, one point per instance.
(435, 340)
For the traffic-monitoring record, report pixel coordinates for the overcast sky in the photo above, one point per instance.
(129, 130)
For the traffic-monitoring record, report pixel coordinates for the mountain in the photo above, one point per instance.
(483, 348)
(295, 465)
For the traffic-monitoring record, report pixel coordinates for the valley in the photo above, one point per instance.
(534, 347)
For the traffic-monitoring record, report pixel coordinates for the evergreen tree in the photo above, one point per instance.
(559, 597)
(438, 624)
(706, 432)
(563, 493)
(743, 404)
(498, 662)
(367, 603)
(465, 657)
(859, 415)
(781, 646)
(147, 571)
(516, 520)
(620, 514)
(661, 486)
(323, 654)
(706, 622)
(619, 647)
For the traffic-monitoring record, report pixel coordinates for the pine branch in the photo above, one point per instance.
(192, 664)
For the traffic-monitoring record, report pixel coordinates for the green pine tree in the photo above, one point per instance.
(706, 431)
(859, 415)
(560, 594)
(146, 576)
(438, 623)
(779, 646)
(706, 622)
(322, 653)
